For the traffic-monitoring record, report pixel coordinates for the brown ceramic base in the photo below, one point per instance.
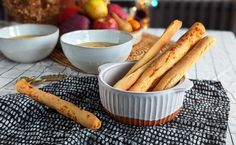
(138, 122)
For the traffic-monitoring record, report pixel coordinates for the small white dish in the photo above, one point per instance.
(137, 35)
(144, 108)
(27, 43)
(89, 58)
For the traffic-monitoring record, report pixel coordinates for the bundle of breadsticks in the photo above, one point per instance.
(166, 63)
(67, 109)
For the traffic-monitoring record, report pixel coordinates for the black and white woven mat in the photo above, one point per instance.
(203, 118)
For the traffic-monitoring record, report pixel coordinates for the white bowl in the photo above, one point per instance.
(88, 59)
(137, 35)
(27, 50)
(147, 108)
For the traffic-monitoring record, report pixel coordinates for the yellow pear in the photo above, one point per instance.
(95, 9)
(123, 25)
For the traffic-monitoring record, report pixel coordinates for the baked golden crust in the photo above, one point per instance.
(127, 81)
(156, 48)
(65, 108)
(180, 69)
(161, 65)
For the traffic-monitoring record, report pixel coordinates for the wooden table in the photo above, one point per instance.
(218, 64)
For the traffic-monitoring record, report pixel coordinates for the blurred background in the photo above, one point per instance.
(214, 14)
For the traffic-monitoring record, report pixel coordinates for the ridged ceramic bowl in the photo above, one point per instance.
(143, 109)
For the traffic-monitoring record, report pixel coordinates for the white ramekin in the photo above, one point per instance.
(147, 108)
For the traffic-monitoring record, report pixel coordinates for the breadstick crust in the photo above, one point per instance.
(127, 81)
(65, 108)
(155, 49)
(159, 67)
(173, 76)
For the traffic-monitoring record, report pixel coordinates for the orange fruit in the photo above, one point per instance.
(135, 24)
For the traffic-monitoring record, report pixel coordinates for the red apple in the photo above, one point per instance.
(77, 22)
(105, 23)
(68, 12)
(114, 8)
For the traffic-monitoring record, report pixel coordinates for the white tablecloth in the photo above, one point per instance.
(218, 64)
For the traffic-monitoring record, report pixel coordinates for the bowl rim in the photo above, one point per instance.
(96, 30)
(141, 30)
(184, 82)
(54, 29)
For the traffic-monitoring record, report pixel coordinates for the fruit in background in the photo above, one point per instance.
(129, 17)
(114, 8)
(105, 23)
(95, 9)
(67, 12)
(77, 22)
(135, 24)
(122, 24)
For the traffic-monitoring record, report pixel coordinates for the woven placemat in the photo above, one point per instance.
(137, 52)
(203, 119)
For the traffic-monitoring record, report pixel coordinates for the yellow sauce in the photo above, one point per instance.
(25, 36)
(97, 44)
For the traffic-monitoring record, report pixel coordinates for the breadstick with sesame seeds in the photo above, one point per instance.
(65, 108)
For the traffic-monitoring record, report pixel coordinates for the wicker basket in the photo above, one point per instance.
(33, 11)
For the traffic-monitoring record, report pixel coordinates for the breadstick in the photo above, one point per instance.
(127, 81)
(164, 39)
(169, 58)
(67, 109)
(179, 69)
